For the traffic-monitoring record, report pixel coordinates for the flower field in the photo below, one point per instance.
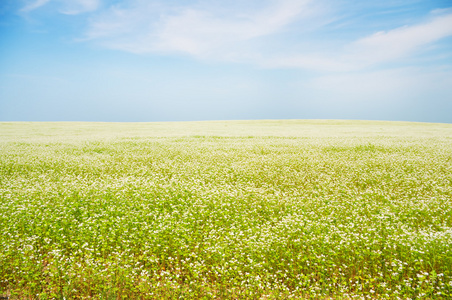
(226, 210)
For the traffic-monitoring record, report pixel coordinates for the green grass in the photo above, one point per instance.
(226, 210)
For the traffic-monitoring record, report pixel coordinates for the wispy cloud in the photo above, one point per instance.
(400, 42)
(247, 31)
(374, 49)
(210, 31)
(79, 6)
(70, 7)
(30, 6)
(204, 32)
(222, 32)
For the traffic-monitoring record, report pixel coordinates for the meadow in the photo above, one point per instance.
(288, 209)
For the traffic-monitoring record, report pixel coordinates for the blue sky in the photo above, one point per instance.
(181, 60)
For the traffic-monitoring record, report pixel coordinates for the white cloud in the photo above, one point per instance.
(79, 6)
(202, 32)
(213, 31)
(247, 31)
(34, 5)
(400, 42)
(70, 7)
(381, 47)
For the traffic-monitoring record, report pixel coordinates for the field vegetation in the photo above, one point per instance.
(226, 210)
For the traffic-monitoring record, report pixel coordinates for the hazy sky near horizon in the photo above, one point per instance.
(181, 60)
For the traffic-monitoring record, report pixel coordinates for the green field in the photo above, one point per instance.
(226, 210)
